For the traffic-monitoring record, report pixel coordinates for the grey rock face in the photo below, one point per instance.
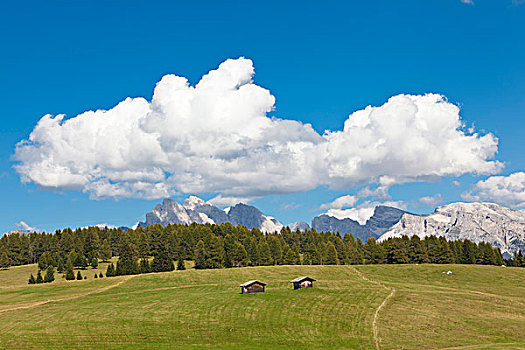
(383, 218)
(196, 210)
(501, 227)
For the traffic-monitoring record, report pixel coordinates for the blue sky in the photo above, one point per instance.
(321, 62)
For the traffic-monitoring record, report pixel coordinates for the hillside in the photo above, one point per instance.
(477, 306)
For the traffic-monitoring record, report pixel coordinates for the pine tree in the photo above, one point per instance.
(240, 256)
(297, 256)
(162, 261)
(105, 251)
(32, 279)
(43, 262)
(96, 276)
(4, 259)
(288, 255)
(100, 275)
(94, 263)
(215, 253)
(79, 276)
(127, 260)
(39, 278)
(110, 272)
(144, 266)
(70, 275)
(275, 249)
(330, 254)
(50, 274)
(265, 256)
(180, 263)
(397, 252)
(200, 255)
(61, 266)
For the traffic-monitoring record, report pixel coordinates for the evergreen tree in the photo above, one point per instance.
(70, 275)
(418, 251)
(288, 255)
(127, 260)
(94, 263)
(96, 276)
(468, 254)
(330, 254)
(5, 262)
(61, 266)
(180, 263)
(397, 252)
(39, 278)
(275, 249)
(297, 256)
(240, 256)
(162, 261)
(43, 262)
(110, 272)
(79, 276)
(265, 256)
(32, 279)
(50, 274)
(105, 251)
(200, 255)
(215, 253)
(100, 275)
(144, 266)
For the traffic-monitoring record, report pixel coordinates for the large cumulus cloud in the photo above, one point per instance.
(219, 137)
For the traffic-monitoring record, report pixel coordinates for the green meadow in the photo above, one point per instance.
(350, 307)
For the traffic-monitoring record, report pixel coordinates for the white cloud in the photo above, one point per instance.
(470, 2)
(339, 203)
(431, 201)
(26, 227)
(506, 190)
(222, 201)
(364, 211)
(456, 183)
(218, 137)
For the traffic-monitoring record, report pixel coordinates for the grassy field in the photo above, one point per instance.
(360, 307)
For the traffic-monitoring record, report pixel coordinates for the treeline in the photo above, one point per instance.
(218, 246)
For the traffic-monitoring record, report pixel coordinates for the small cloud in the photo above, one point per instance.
(24, 226)
(221, 201)
(431, 201)
(339, 203)
(364, 211)
(456, 183)
(469, 2)
(517, 2)
(290, 206)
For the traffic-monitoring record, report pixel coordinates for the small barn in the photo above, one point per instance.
(252, 287)
(302, 282)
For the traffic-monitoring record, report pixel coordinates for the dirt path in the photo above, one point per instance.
(44, 302)
(376, 314)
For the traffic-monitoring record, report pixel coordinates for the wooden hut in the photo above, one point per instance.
(302, 282)
(252, 287)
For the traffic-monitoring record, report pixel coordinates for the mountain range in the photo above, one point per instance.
(500, 226)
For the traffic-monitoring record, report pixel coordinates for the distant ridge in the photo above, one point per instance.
(196, 210)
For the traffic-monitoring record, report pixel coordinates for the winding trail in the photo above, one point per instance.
(376, 314)
(48, 301)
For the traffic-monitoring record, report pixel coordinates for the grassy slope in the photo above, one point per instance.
(199, 309)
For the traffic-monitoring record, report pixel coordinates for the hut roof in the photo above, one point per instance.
(249, 283)
(301, 279)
